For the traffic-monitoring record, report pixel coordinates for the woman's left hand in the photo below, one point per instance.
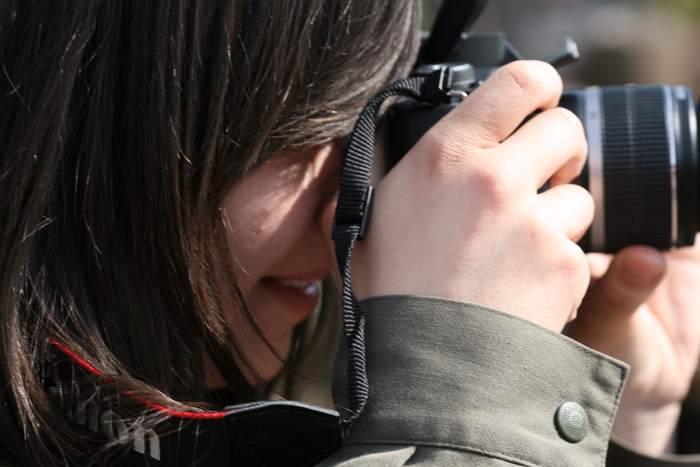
(643, 307)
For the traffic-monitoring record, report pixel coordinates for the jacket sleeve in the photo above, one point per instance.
(454, 383)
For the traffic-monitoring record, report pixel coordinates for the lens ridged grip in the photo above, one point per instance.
(636, 167)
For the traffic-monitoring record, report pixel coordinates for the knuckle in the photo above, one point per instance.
(539, 227)
(442, 154)
(585, 200)
(545, 231)
(494, 184)
(572, 267)
(446, 151)
(446, 160)
(526, 78)
(585, 208)
(567, 121)
(541, 220)
(574, 264)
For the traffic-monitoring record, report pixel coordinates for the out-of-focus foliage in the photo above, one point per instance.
(686, 7)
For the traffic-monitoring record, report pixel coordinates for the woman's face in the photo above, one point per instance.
(279, 221)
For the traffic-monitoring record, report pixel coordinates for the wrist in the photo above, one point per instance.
(651, 431)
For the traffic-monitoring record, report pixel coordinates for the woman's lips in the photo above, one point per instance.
(311, 287)
(299, 295)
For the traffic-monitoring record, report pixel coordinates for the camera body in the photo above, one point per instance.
(642, 167)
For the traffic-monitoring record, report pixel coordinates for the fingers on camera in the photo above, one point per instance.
(499, 106)
(568, 208)
(550, 147)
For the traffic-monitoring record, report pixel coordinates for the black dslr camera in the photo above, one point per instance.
(642, 167)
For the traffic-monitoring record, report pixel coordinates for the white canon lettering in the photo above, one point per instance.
(140, 441)
(108, 420)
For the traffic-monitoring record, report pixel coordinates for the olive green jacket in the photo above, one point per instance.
(456, 384)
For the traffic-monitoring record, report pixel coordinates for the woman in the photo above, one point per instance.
(127, 127)
(169, 175)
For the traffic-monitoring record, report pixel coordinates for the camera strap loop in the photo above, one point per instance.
(352, 217)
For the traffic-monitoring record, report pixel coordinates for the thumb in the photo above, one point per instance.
(632, 276)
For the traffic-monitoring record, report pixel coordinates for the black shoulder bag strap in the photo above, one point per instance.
(353, 213)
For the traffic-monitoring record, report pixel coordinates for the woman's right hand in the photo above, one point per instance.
(460, 216)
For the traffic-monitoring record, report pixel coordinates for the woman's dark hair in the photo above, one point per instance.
(123, 124)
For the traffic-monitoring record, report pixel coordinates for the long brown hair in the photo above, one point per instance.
(123, 124)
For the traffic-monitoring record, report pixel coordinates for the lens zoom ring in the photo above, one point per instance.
(636, 167)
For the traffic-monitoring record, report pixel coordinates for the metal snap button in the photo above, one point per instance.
(572, 422)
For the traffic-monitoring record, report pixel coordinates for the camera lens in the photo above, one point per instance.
(642, 168)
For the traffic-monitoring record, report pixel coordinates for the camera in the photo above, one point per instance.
(642, 168)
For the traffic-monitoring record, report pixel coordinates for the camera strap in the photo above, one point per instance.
(353, 214)
(255, 433)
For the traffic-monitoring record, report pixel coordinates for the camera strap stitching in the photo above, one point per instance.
(352, 216)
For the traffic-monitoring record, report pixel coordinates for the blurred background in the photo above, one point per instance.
(620, 41)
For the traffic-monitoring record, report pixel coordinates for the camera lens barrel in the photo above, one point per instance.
(642, 168)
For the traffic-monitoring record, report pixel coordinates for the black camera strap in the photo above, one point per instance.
(353, 213)
(454, 17)
(262, 433)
